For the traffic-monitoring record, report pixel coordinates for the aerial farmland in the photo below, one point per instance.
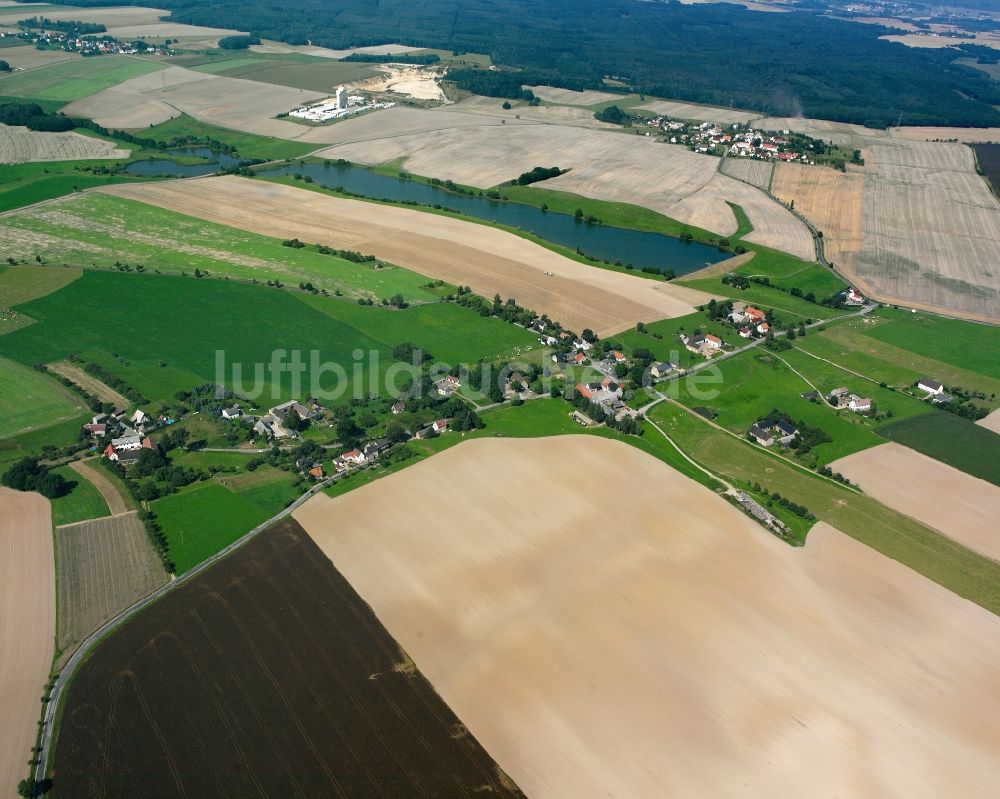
(569, 405)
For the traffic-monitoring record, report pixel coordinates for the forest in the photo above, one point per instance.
(791, 63)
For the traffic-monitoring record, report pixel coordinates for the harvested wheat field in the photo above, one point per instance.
(27, 626)
(524, 112)
(19, 145)
(227, 102)
(487, 259)
(88, 383)
(960, 506)
(28, 57)
(749, 170)
(614, 649)
(938, 134)
(831, 200)
(930, 230)
(991, 422)
(268, 46)
(552, 94)
(105, 565)
(840, 133)
(121, 15)
(702, 113)
(602, 165)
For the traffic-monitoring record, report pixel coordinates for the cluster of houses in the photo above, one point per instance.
(705, 344)
(751, 322)
(843, 398)
(766, 431)
(934, 390)
(131, 434)
(737, 140)
(99, 44)
(607, 395)
(271, 424)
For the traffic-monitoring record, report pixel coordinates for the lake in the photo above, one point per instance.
(161, 167)
(639, 248)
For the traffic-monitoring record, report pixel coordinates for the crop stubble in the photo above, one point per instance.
(665, 645)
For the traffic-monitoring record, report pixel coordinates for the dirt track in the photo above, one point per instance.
(961, 507)
(647, 639)
(27, 626)
(489, 260)
(116, 502)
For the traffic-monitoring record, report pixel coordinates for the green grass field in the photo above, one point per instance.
(788, 274)
(898, 537)
(294, 69)
(82, 502)
(31, 400)
(31, 443)
(248, 145)
(205, 517)
(950, 439)
(99, 230)
(73, 80)
(858, 344)
(25, 184)
(165, 331)
(25, 283)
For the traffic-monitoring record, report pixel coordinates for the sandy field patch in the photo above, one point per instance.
(28, 57)
(831, 200)
(665, 645)
(420, 83)
(603, 165)
(105, 565)
(960, 506)
(227, 102)
(19, 145)
(991, 422)
(27, 626)
(703, 113)
(959, 134)
(551, 94)
(89, 383)
(487, 259)
(930, 230)
(548, 114)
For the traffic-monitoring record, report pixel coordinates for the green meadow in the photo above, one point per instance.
(161, 333)
(82, 502)
(248, 145)
(31, 400)
(99, 230)
(73, 80)
(298, 70)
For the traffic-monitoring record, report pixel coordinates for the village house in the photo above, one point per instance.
(349, 459)
(853, 297)
(766, 431)
(662, 369)
(96, 430)
(398, 408)
(139, 420)
(579, 359)
(705, 344)
(582, 344)
(619, 357)
(762, 435)
(859, 404)
(440, 425)
(234, 412)
(271, 427)
(294, 405)
(930, 386)
(126, 450)
(762, 328)
(316, 472)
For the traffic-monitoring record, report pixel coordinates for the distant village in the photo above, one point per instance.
(86, 45)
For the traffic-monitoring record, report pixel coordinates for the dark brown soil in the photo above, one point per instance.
(267, 676)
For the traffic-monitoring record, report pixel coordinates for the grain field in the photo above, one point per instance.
(27, 626)
(607, 649)
(831, 200)
(489, 260)
(749, 170)
(706, 113)
(19, 145)
(105, 565)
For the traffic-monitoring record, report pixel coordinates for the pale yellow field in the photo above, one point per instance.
(552, 94)
(749, 170)
(704, 113)
(28, 57)
(962, 507)
(122, 15)
(959, 134)
(268, 46)
(19, 145)
(487, 259)
(649, 640)
(602, 165)
(991, 422)
(939, 42)
(27, 626)
(831, 200)
(548, 114)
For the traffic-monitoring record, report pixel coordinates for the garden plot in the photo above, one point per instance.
(602, 648)
(930, 230)
(19, 145)
(831, 200)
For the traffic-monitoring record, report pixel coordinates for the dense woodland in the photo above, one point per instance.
(799, 62)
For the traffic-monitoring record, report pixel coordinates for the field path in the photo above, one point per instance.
(27, 626)
(116, 502)
(88, 383)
